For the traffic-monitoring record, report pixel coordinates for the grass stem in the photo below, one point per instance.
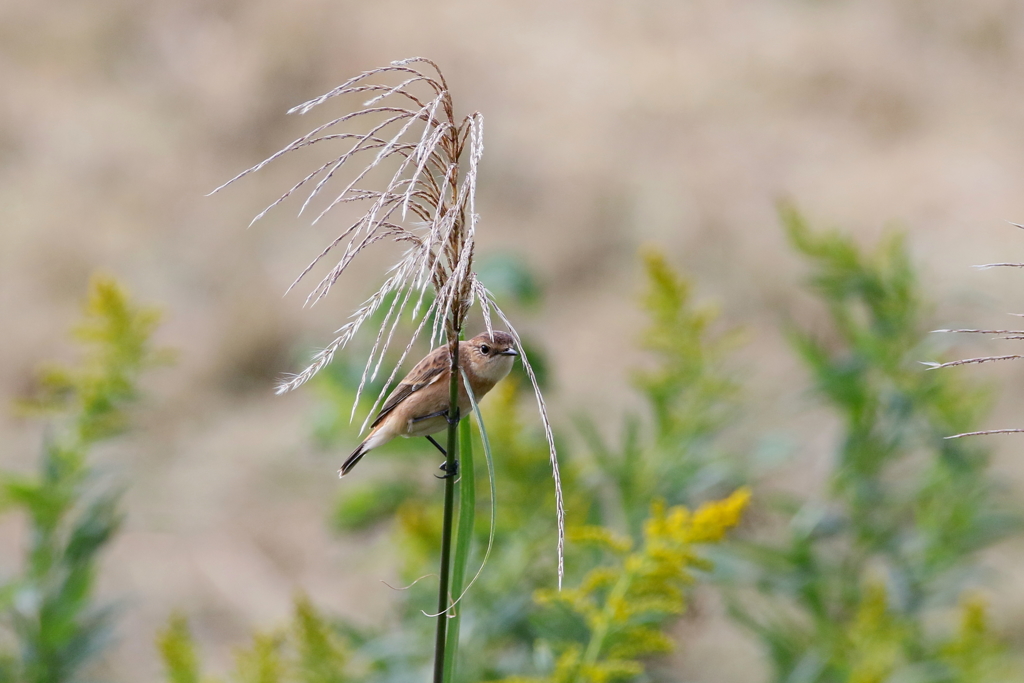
(443, 599)
(463, 544)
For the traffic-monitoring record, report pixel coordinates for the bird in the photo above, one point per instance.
(419, 404)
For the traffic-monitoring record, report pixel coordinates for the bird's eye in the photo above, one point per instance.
(485, 349)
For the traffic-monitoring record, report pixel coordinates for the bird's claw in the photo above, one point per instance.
(448, 473)
(452, 420)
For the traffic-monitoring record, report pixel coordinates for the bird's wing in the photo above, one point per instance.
(427, 371)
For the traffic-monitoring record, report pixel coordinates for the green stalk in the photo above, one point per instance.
(605, 619)
(446, 527)
(463, 542)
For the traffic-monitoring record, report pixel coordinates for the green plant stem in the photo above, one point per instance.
(449, 507)
(600, 630)
(463, 543)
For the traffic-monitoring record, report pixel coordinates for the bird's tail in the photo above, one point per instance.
(351, 461)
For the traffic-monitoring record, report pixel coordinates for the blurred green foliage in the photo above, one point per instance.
(673, 453)
(509, 279)
(48, 610)
(309, 650)
(849, 594)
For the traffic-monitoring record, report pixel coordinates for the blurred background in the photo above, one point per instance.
(609, 126)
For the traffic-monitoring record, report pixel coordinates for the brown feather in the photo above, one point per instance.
(423, 374)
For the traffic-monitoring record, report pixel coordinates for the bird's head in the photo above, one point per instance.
(490, 356)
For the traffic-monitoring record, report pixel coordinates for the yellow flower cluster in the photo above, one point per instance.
(707, 525)
(624, 604)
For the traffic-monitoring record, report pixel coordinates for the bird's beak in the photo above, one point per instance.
(509, 352)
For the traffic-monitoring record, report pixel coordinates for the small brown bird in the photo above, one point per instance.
(419, 404)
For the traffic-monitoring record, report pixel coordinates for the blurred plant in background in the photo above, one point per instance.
(624, 605)
(52, 625)
(673, 454)
(852, 593)
(309, 650)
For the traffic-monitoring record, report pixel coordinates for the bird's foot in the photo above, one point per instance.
(452, 420)
(448, 471)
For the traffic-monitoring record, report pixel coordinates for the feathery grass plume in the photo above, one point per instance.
(429, 159)
(1013, 335)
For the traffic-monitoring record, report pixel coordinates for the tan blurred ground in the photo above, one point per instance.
(608, 125)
